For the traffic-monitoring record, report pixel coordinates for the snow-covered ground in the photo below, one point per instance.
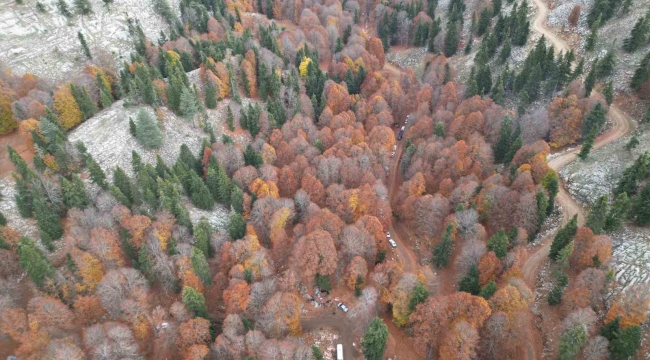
(46, 44)
(8, 208)
(631, 256)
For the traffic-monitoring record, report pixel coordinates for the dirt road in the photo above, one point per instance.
(621, 127)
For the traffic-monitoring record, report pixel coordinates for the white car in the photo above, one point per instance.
(343, 307)
(394, 147)
(388, 234)
(406, 121)
(392, 154)
(392, 243)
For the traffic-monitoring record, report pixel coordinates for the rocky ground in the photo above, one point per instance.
(598, 175)
(610, 35)
(46, 44)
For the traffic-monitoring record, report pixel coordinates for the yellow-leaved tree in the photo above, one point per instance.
(68, 109)
(303, 66)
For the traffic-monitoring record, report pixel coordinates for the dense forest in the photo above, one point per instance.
(117, 268)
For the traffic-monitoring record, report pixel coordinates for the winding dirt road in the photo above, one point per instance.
(622, 126)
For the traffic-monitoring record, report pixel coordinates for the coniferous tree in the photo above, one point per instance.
(252, 157)
(504, 55)
(418, 296)
(189, 104)
(542, 205)
(83, 7)
(236, 226)
(194, 301)
(49, 224)
(502, 146)
(488, 290)
(608, 92)
(32, 260)
(598, 215)
(640, 209)
(83, 99)
(230, 120)
(202, 233)
(444, 249)
(132, 128)
(563, 237)
(470, 282)
(472, 87)
(590, 43)
(105, 95)
(638, 35)
(136, 162)
(451, 40)
(587, 146)
(200, 266)
(374, 341)
(499, 244)
(237, 199)
(146, 90)
(74, 193)
(63, 8)
(147, 131)
(122, 182)
(440, 130)
(590, 80)
(594, 121)
(97, 175)
(633, 143)
(606, 65)
(552, 186)
(210, 96)
(200, 194)
(84, 45)
(23, 197)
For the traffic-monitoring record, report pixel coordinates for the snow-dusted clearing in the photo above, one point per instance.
(46, 44)
(107, 137)
(598, 175)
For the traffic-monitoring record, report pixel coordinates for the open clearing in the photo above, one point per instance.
(46, 44)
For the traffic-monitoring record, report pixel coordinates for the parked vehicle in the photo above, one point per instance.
(388, 234)
(343, 307)
(392, 154)
(399, 136)
(394, 147)
(392, 243)
(339, 352)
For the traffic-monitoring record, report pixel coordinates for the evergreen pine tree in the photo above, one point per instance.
(594, 121)
(638, 35)
(488, 290)
(122, 182)
(200, 194)
(189, 104)
(84, 45)
(202, 233)
(590, 80)
(194, 301)
(374, 341)
(590, 43)
(236, 226)
(563, 237)
(132, 127)
(542, 205)
(470, 282)
(418, 296)
(23, 197)
(86, 104)
(49, 224)
(587, 146)
(230, 120)
(440, 130)
(633, 143)
(499, 244)
(503, 143)
(444, 249)
(640, 209)
(105, 96)
(83, 7)
(97, 175)
(552, 186)
(74, 193)
(62, 6)
(451, 40)
(606, 65)
(252, 157)
(32, 260)
(144, 261)
(472, 87)
(571, 342)
(237, 199)
(210, 96)
(136, 162)
(609, 92)
(625, 343)
(200, 266)
(147, 131)
(598, 215)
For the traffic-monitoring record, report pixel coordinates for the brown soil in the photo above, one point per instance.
(15, 141)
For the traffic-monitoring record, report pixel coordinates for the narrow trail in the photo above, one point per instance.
(622, 126)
